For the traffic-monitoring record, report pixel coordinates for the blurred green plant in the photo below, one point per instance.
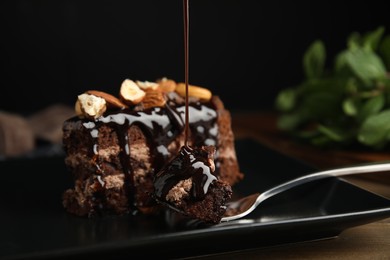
(346, 104)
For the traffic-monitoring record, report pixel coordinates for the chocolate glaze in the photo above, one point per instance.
(189, 163)
(161, 126)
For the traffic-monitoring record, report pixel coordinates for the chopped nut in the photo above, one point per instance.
(90, 106)
(153, 99)
(167, 85)
(112, 102)
(194, 91)
(147, 85)
(130, 93)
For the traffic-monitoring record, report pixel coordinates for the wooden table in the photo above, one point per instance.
(370, 241)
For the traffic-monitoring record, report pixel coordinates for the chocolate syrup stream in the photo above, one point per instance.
(186, 65)
(189, 163)
(152, 123)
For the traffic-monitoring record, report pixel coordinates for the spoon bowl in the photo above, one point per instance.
(240, 208)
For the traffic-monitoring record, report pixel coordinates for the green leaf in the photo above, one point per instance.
(314, 60)
(386, 93)
(366, 65)
(341, 64)
(351, 86)
(384, 50)
(286, 99)
(354, 41)
(372, 39)
(346, 104)
(334, 86)
(372, 106)
(350, 106)
(332, 133)
(375, 129)
(289, 122)
(321, 104)
(321, 141)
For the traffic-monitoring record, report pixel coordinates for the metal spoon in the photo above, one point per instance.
(244, 206)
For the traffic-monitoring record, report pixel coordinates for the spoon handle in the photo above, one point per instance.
(336, 172)
(249, 203)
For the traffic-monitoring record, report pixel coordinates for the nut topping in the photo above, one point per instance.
(90, 106)
(194, 91)
(140, 94)
(167, 85)
(112, 101)
(153, 98)
(130, 93)
(145, 85)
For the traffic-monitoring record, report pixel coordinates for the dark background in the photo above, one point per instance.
(243, 50)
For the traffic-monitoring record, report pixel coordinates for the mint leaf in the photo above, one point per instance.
(321, 104)
(375, 129)
(372, 106)
(384, 50)
(350, 103)
(366, 65)
(371, 39)
(341, 64)
(289, 122)
(332, 133)
(350, 106)
(286, 99)
(314, 60)
(354, 41)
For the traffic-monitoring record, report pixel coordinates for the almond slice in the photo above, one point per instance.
(112, 101)
(130, 93)
(194, 91)
(166, 85)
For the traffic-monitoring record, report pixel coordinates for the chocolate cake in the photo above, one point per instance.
(117, 148)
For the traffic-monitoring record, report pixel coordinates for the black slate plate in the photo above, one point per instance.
(33, 223)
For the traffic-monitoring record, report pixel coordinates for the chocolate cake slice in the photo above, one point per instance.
(115, 146)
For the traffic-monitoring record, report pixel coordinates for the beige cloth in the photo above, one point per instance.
(18, 134)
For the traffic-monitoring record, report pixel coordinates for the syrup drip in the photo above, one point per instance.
(190, 162)
(186, 13)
